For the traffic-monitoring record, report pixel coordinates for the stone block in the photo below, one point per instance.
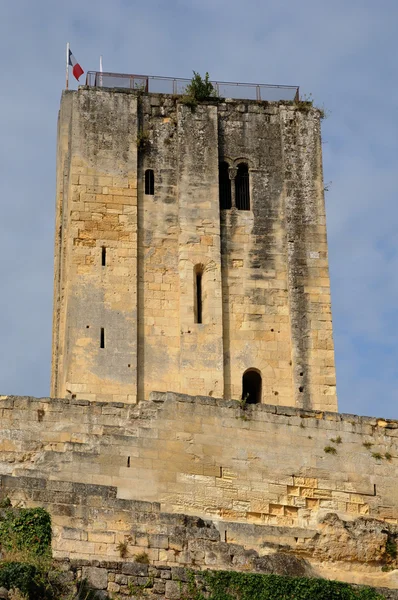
(96, 577)
(179, 574)
(135, 569)
(113, 587)
(173, 590)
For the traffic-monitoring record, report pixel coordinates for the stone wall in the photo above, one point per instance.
(95, 304)
(91, 524)
(266, 476)
(173, 583)
(266, 300)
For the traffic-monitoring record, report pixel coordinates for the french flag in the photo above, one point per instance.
(76, 68)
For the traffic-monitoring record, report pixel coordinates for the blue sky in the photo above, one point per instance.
(341, 52)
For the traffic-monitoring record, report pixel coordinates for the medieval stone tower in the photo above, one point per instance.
(191, 271)
(191, 250)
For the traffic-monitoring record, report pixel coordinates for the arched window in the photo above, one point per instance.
(242, 191)
(224, 184)
(198, 296)
(149, 182)
(251, 386)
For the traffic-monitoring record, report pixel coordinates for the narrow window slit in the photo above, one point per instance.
(103, 256)
(102, 338)
(242, 188)
(128, 461)
(224, 183)
(149, 182)
(198, 297)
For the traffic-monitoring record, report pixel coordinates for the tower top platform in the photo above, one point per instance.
(177, 86)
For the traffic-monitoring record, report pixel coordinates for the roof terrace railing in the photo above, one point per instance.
(176, 86)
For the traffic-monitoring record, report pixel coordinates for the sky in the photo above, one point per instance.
(343, 53)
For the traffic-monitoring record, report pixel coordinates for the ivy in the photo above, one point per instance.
(229, 585)
(26, 529)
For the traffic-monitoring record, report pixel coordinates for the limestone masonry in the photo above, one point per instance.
(193, 416)
(156, 286)
(259, 477)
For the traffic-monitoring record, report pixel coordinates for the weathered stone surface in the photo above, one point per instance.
(127, 257)
(361, 541)
(96, 577)
(250, 488)
(283, 564)
(173, 590)
(136, 569)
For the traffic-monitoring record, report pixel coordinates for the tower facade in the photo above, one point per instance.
(191, 251)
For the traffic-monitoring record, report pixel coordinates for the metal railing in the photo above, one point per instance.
(176, 86)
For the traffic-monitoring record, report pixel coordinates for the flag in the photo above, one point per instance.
(76, 68)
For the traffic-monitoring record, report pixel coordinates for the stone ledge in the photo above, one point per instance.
(158, 398)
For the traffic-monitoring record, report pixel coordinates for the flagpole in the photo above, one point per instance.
(67, 65)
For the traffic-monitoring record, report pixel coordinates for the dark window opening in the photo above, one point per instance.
(251, 387)
(224, 184)
(102, 338)
(149, 182)
(103, 256)
(198, 297)
(242, 192)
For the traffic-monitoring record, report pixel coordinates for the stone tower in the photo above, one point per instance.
(191, 250)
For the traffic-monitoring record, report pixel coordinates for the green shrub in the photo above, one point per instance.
(223, 585)
(26, 529)
(37, 581)
(199, 88)
(21, 576)
(5, 503)
(391, 547)
(25, 540)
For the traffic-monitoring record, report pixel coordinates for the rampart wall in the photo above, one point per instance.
(264, 477)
